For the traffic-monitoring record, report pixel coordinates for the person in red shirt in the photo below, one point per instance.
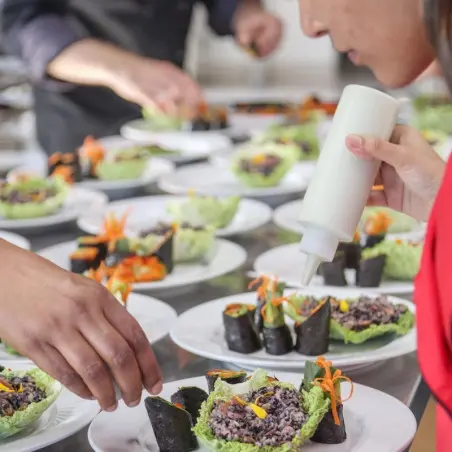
(398, 41)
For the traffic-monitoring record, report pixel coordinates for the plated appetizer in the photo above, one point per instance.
(316, 321)
(201, 210)
(263, 165)
(24, 397)
(262, 108)
(397, 222)
(32, 197)
(256, 413)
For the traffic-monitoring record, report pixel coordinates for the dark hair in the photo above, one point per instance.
(438, 18)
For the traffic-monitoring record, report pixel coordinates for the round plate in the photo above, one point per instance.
(15, 239)
(287, 260)
(147, 211)
(79, 200)
(66, 416)
(376, 422)
(287, 215)
(155, 317)
(207, 338)
(210, 179)
(10, 160)
(226, 257)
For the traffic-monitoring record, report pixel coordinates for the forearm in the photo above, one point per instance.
(90, 62)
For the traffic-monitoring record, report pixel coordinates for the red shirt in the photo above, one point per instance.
(433, 297)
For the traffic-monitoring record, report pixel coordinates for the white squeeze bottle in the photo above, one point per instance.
(341, 184)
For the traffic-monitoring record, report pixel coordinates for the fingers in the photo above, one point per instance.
(268, 38)
(137, 340)
(90, 367)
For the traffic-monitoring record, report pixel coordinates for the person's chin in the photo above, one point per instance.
(396, 78)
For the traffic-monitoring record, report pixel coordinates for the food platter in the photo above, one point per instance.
(208, 339)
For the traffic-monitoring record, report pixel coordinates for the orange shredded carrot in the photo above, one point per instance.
(261, 283)
(356, 236)
(93, 151)
(179, 405)
(327, 385)
(114, 227)
(377, 224)
(140, 269)
(65, 172)
(97, 275)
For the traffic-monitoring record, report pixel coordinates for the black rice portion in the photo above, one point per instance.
(367, 311)
(264, 167)
(22, 197)
(17, 401)
(232, 421)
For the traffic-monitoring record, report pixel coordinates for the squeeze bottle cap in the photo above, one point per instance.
(318, 245)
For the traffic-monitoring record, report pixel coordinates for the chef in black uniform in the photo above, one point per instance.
(94, 63)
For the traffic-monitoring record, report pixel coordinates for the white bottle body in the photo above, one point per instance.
(338, 192)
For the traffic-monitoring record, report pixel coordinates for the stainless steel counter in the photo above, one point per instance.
(398, 377)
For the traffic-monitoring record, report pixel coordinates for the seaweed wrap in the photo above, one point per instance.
(190, 399)
(375, 228)
(313, 333)
(352, 252)
(84, 259)
(118, 250)
(171, 424)
(99, 242)
(229, 376)
(66, 165)
(370, 271)
(239, 331)
(322, 374)
(333, 273)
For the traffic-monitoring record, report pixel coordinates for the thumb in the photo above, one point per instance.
(375, 148)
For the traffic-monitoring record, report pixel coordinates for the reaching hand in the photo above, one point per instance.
(411, 171)
(74, 330)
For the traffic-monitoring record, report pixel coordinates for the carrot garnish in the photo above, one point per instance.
(114, 227)
(327, 384)
(97, 275)
(179, 405)
(257, 410)
(377, 224)
(65, 172)
(261, 284)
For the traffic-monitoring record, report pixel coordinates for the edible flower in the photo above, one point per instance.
(327, 384)
(5, 387)
(343, 306)
(257, 410)
(258, 159)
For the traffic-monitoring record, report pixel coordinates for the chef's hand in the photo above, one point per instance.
(255, 26)
(411, 171)
(74, 330)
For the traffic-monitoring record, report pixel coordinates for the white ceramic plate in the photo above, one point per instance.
(190, 147)
(226, 257)
(375, 422)
(286, 217)
(79, 200)
(15, 239)
(216, 180)
(10, 160)
(207, 338)
(287, 261)
(66, 416)
(148, 211)
(155, 317)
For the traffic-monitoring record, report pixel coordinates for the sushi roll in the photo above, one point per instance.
(84, 259)
(65, 165)
(376, 228)
(333, 273)
(190, 399)
(99, 242)
(240, 334)
(229, 376)
(172, 425)
(370, 271)
(352, 252)
(277, 335)
(164, 250)
(313, 334)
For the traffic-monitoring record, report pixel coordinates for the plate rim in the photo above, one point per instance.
(281, 364)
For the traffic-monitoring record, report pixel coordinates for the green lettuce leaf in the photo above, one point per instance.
(315, 404)
(160, 121)
(399, 221)
(287, 153)
(11, 425)
(402, 327)
(402, 259)
(35, 209)
(205, 210)
(123, 170)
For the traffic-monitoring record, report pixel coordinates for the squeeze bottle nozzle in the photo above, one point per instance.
(338, 191)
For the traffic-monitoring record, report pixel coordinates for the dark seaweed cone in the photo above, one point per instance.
(235, 378)
(352, 253)
(333, 273)
(328, 432)
(191, 398)
(240, 334)
(313, 335)
(277, 340)
(171, 425)
(370, 271)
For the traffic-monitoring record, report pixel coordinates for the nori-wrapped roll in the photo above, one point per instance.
(333, 273)
(115, 256)
(352, 253)
(229, 376)
(239, 331)
(164, 251)
(328, 432)
(83, 259)
(277, 340)
(370, 271)
(101, 243)
(372, 240)
(172, 426)
(191, 399)
(258, 319)
(376, 228)
(66, 165)
(313, 334)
